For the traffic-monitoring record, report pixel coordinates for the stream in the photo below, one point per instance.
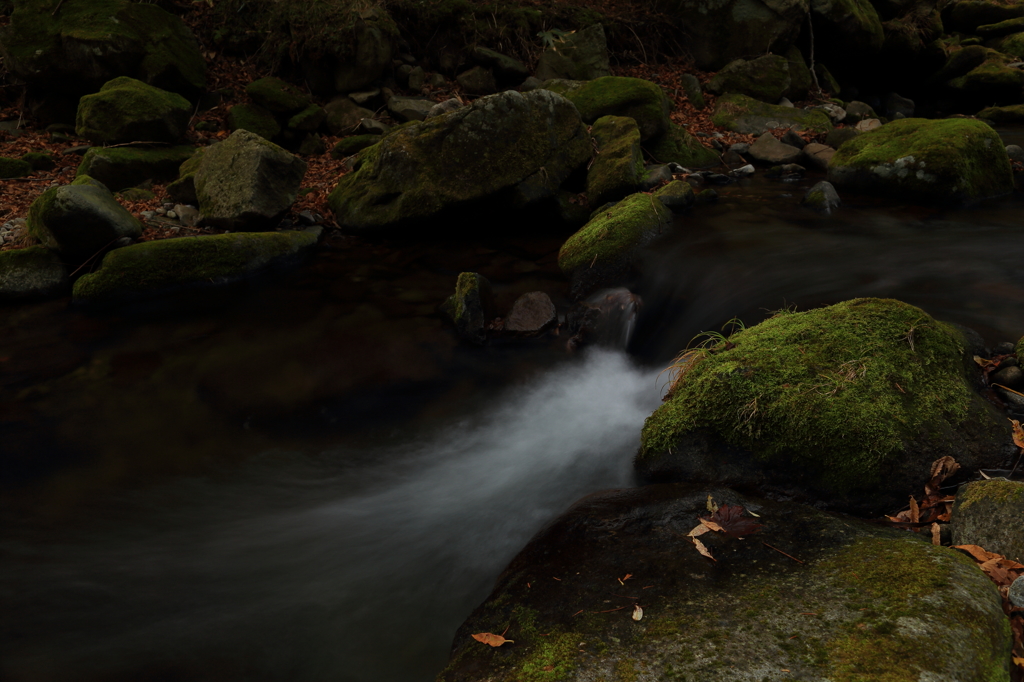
(313, 481)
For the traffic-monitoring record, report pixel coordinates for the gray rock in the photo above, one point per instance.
(818, 155)
(32, 273)
(765, 78)
(505, 68)
(656, 175)
(988, 513)
(246, 183)
(354, 60)
(894, 104)
(583, 55)
(618, 168)
(838, 136)
(1011, 377)
(768, 149)
(80, 221)
(740, 148)
(369, 126)
(123, 167)
(187, 215)
(1016, 593)
(676, 196)
(1015, 152)
(835, 112)
(344, 116)
(531, 314)
(691, 86)
(442, 108)
(471, 307)
(478, 81)
(366, 98)
(733, 160)
(857, 112)
(128, 110)
(417, 79)
(793, 139)
(531, 83)
(784, 102)
(867, 125)
(742, 171)
(822, 198)
(410, 108)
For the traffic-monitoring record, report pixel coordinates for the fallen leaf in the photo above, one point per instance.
(699, 529)
(702, 549)
(733, 523)
(712, 525)
(712, 507)
(490, 638)
(1001, 570)
(915, 511)
(936, 534)
(979, 553)
(638, 612)
(942, 469)
(1018, 433)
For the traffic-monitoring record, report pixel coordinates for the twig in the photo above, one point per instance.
(814, 75)
(93, 256)
(610, 610)
(57, 8)
(781, 552)
(132, 144)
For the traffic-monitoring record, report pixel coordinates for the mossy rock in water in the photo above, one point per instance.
(157, 268)
(128, 110)
(32, 273)
(277, 96)
(14, 168)
(679, 146)
(80, 221)
(748, 116)
(603, 252)
(989, 514)
(766, 78)
(255, 119)
(676, 195)
(999, 115)
(122, 167)
(828, 598)
(445, 162)
(641, 100)
(847, 404)
(66, 49)
(953, 161)
(471, 307)
(618, 167)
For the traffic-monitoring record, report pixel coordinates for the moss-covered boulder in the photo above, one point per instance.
(32, 273)
(246, 182)
(13, 168)
(580, 55)
(641, 100)
(679, 146)
(967, 15)
(347, 146)
(677, 196)
(255, 119)
(1012, 45)
(157, 268)
(68, 49)
(355, 51)
(183, 190)
(604, 252)
(994, 80)
(847, 25)
(1001, 28)
(277, 96)
(39, 161)
(847, 404)
(988, 514)
(618, 167)
(128, 110)
(308, 120)
(766, 78)
(953, 161)
(1013, 113)
(80, 221)
(342, 116)
(746, 115)
(423, 168)
(471, 307)
(122, 167)
(827, 598)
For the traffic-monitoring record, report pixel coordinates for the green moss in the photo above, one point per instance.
(309, 119)
(997, 492)
(619, 165)
(836, 390)
(14, 168)
(81, 179)
(994, 77)
(255, 119)
(39, 160)
(34, 220)
(1012, 44)
(136, 194)
(679, 146)
(613, 233)
(638, 99)
(998, 115)
(948, 161)
(122, 167)
(128, 110)
(747, 115)
(277, 95)
(347, 146)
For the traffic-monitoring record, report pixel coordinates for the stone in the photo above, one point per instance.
(988, 513)
(32, 273)
(692, 89)
(80, 221)
(128, 110)
(1016, 592)
(839, 136)
(604, 252)
(845, 25)
(39, 161)
(787, 172)
(471, 307)
(581, 55)
(366, 98)
(761, 412)
(1000, 115)
(867, 125)
(1002, 28)
(793, 139)
(894, 104)
(1012, 45)
(531, 83)
(119, 168)
(369, 126)
(748, 116)
(254, 119)
(826, 80)
(995, 80)
(410, 108)
(679, 146)
(744, 617)
(1011, 377)
(655, 176)
(768, 149)
(361, 48)
(677, 196)
(343, 116)
(417, 79)
(822, 197)
(532, 313)
(478, 80)
(818, 155)
(308, 120)
(277, 96)
(857, 112)
(618, 168)
(1015, 152)
(347, 146)
(641, 100)
(442, 108)
(14, 168)
(506, 68)
(246, 183)
(311, 145)
(968, 15)
(172, 266)
(765, 78)
(952, 161)
(443, 163)
(187, 215)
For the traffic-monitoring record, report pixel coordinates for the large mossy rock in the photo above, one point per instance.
(80, 221)
(994, 80)
(421, 169)
(471, 307)
(353, 53)
(766, 78)
(845, 26)
(850, 602)
(748, 116)
(581, 55)
(967, 15)
(246, 182)
(604, 252)
(255, 119)
(123, 167)
(128, 110)
(679, 146)
(168, 266)
(618, 167)
(989, 514)
(72, 50)
(847, 404)
(641, 100)
(999, 115)
(32, 273)
(277, 96)
(953, 161)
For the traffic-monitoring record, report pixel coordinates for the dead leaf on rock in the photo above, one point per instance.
(702, 549)
(936, 534)
(730, 519)
(711, 525)
(699, 529)
(1018, 433)
(491, 639)
(942, 469)
(979, 553)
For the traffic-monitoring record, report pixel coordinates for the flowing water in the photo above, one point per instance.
(315, 482)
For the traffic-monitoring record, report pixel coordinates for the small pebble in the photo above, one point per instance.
(172, 215)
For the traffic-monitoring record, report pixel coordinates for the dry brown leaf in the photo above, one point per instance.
(702, 549)
(638, 612)
(700, 529)
(979, 553)
(491, 638)
(1018, 433)
(732, 522)
(712, 507)
(712, 525)
(915, 511)
(1001, 570)
(942, 469)
(936, 534)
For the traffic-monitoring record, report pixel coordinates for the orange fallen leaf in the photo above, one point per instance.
(1018, 433)
(915, 512)
(712, 525)
(936, 534)
(699, 529)
(979, 553)
(491, 638)
(702, 549)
